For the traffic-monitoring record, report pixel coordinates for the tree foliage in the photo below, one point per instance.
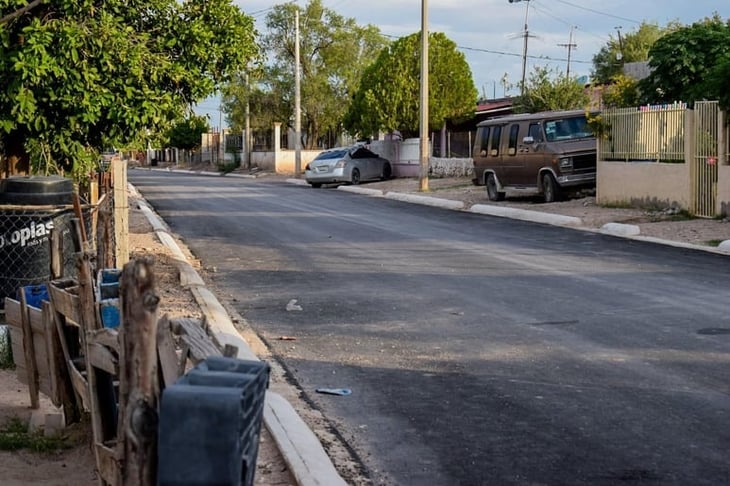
(80, 76)
(550, 90)
(334, 51)
(623, 91)
(187, 134)
(633, 47)
(389, 95)
(690, 64)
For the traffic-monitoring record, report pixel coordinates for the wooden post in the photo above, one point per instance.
(29, 352)
(138, 384)
(121, 212)
(56, 254)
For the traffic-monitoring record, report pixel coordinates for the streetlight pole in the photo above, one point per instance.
(423, 151)
(525, 35)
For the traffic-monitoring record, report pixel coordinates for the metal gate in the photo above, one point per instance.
(706, 159)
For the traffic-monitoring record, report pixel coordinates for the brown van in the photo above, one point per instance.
(539, 153)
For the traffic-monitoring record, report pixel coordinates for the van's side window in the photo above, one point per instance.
(483, 142)
(535, 132)
(496, 135)
(514, 132)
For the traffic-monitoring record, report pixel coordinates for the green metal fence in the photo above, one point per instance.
(646, 133)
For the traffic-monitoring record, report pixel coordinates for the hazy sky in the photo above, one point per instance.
(489, 31)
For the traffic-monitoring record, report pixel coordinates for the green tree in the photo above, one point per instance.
(633, 47)
(187, 134)
(549, 90)
(623, 91)
(389, 94)
(687, 64)
(266, 92)
(78, 77)
(334, 51)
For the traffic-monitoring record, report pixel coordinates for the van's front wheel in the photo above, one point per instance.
(492, 193)
(550, 189)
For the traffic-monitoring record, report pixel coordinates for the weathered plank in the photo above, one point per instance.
(29, 354)
(105, 337)
(65, 300)
(108, 463)
(192, 333)
(100, 357)
(166, 352)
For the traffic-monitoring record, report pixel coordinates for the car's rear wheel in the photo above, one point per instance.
(492, 193)
(316, 185)
(355, 177)
(387, 172)
(550, 189)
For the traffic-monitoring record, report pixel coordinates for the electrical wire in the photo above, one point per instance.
(599, 12)
(505, 53)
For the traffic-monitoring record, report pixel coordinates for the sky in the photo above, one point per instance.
(489, 32)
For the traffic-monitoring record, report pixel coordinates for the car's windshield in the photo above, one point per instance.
(567, 129)
(332, 154)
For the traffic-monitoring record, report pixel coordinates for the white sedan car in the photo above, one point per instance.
(347, 165)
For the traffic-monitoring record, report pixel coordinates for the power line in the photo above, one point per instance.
(504, 53)
(598, 12)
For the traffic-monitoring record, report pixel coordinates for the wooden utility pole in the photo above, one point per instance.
(570, 45)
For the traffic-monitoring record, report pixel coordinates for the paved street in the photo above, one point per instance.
(478, 350)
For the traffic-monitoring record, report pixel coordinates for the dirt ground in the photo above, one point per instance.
(75, 466)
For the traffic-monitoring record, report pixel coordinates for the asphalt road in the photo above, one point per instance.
(478, 350)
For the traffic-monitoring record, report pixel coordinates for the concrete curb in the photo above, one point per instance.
(361, 190)
(309, 471)
(303, 453)
(425, 200)
(199, 172)
(299, 182)
(526, 215)
(619, 229)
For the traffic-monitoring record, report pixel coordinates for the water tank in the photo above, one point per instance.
(26, 221)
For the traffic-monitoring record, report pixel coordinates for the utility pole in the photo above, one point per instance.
(570, 45)
(620, 56)
(526, 35)
(423, 152)
(247, 138)
(297, 103)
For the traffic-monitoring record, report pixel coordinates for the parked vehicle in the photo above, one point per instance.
(347, 165)
(539, 153)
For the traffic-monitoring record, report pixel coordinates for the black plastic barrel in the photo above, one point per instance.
(26, 221)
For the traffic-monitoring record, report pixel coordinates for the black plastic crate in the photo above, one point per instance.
(210, 421)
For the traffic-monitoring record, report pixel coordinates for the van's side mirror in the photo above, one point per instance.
(528, 140)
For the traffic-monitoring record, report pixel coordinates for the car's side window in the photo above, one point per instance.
(482, 141)
(514, 132)
(535, 132)
(494, 146)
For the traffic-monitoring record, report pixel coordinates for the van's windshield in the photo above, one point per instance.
(570, 128)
